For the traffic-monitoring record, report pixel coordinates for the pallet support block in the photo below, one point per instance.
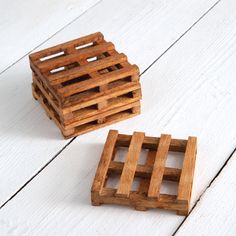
(151, 174)
(86, 84)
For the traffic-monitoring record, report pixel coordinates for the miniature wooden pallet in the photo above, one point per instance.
(152, 173)
(85, 80)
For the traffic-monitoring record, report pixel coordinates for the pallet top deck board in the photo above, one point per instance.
(159, 166)
(64, 46)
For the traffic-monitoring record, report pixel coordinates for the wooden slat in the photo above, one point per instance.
(86, 69)
(77, 55)
(47, 96)
(186, 178)
(131, 161)
(109, 120)
(145, 171)
(105, 160)
(63, 46)
(97, 97)
(176, 145)
(103, 114)
(159, 166)
(87, 112)
(100, 80)
(165, 201)
(144, 182)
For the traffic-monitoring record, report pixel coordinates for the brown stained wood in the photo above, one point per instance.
(47, 96)
(96, 97)
(176, 145)
(93, 111)
(86, 83)
(105, 161)
(78, 55)
(159, 166)
(64, 46)
(167, 202)
(82, 129)
(103, 115)
(98, 81)
(141, 199)
(86, 69)
(145, 171)
(144, 182)
(186, 178)
(131, 161)
(109, 120)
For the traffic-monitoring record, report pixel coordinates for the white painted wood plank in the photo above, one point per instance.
(28, 138)
(24, 24)
(190, 91)
(216, 211)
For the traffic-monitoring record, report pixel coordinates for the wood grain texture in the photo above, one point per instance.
(186, 178)
(69, 64)
(159, 166)
(215, 213)
(131, 161)
(35, 23)
(105, 160)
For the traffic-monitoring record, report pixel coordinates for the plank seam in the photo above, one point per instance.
(36, 174)
(209, 185)
(181, 36)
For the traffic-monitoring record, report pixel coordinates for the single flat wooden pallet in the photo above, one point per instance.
(84, 80)
(151, 174)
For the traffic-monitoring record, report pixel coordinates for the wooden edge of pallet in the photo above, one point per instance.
(90, 67)
(98, 81)
(187, 173)
(123, 115)
(111, 120)
(46, 95)
(101, 96)
(37, 73)
(78, 117)
(159, 166)
(39, 96)
(80, 54)
(107, 154)
(63, 46)
(62, 112)
(131, 161)
(131, 103)
(176, 145)
(139, 201)
(100, 115)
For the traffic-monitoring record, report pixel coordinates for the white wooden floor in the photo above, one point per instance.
(186, 51)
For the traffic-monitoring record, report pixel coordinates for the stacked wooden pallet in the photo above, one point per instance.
(150, 175)
(85, 84)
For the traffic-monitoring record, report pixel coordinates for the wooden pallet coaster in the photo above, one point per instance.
(85, 80)
(151, 174)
